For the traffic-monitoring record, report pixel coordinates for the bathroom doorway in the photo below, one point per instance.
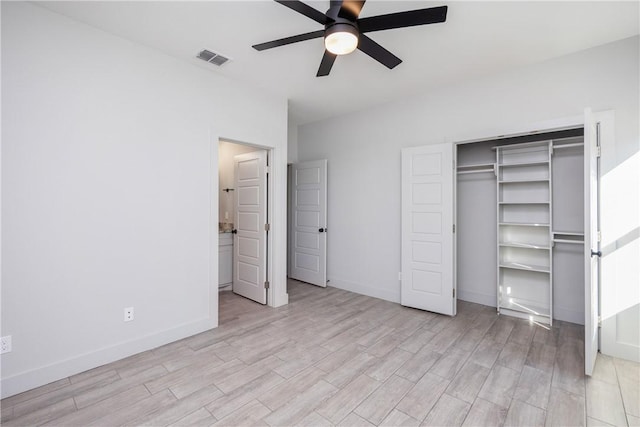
(243, 226)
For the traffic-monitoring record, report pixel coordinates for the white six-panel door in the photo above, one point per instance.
(250, 239)
(427, 228)
(308, 238)
(619, 298)
(592, 261)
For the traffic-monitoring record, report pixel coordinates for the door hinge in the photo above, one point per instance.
(267, 227)
(599, 321)
(266, 284)
(267, 169)
(598, 151)
(599, 236)
(454, 292)
(454, 228)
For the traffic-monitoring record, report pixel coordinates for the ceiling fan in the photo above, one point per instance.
(344, 31)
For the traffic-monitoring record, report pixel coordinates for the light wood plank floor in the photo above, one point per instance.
(333, 357)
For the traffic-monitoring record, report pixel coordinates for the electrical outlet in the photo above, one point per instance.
(128, 314)
(5, 344)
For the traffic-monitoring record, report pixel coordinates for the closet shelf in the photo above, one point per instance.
(522, 181)
(512, 147)
(568, 237)
(525, 267)
(478, 165)
(522, 249)
(464, 172)
(523, 245)
(477, 168)
(523, 203)
(523, 224)
(524, 307)
(532, 163)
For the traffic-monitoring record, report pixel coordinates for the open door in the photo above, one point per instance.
(591, 239)
(308, 242)
(620, 294)
(427, 229)
(250, 233)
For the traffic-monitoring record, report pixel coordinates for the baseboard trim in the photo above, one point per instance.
(477, 297)
(369, 291)
(567, 315)
(44, 375)
(559, 313)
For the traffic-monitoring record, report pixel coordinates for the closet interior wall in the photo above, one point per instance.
(567, 166)
(476, 225)
(476, 221)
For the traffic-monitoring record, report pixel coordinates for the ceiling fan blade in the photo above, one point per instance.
(289, 40)
(305, 10)
(411, 18)
(350, 9)
(325, 65)
(377, 52)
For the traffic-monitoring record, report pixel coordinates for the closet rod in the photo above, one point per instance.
(477, 165)
(475, 171)
(522, 144)
(567, 233)
(578, 242)
(575, 144)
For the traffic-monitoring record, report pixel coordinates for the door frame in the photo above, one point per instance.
(540, 127)
(276, 289)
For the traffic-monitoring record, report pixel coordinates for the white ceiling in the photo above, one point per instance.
(478, 38)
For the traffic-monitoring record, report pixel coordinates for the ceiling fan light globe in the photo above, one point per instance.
(341, 42)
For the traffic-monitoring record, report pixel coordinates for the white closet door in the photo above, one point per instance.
(309, 228)
(592, 244)
(250, 243)
(620, 296)
(427, 228)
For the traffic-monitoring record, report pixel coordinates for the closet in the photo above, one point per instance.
(519, 217)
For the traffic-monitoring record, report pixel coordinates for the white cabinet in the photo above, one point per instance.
(524, 230)
(225, 259)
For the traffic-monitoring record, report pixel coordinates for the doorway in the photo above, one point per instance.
(243, 220)
(530, 219)
(307, 224)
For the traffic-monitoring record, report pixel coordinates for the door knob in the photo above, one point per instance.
(594, 253)
(234, 231)
(321, 230)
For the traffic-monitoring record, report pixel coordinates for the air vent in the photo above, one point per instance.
(212, 57)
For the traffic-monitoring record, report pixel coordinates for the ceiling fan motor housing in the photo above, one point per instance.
(335, 27)
(341, 35)
(337, 24)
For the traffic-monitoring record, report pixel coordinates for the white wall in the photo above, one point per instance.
(109, 175)
(226, 152)
(363, 151)
(292, 145)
